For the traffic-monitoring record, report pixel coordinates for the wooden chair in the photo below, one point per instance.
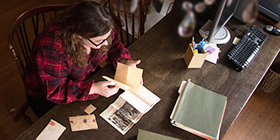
(104, 3)
(129, 25)
(21, 35)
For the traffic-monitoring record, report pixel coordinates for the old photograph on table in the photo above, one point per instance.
(130, 112)
(130, 106)
(118, 120)
(126, 111)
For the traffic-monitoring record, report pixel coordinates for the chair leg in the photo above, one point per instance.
(104, 3)
(22, 111)
(27, 119)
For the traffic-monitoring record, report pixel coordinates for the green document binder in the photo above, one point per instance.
(199, 111)
(147, 135)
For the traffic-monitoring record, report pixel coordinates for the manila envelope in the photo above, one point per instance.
(85, 122)
(129, 76)
(90, 109)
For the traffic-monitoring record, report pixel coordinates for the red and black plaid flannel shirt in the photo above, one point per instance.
(49, 73)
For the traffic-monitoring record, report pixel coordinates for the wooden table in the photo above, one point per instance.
(161, 51)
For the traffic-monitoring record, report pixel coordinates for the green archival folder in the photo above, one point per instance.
(199, 111)
(147, 135)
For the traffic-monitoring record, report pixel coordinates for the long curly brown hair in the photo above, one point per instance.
(87, 20)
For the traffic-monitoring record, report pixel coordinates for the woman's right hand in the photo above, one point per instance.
(104, 88)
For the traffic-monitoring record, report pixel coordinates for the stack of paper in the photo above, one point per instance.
(131, 105)
(199, 111)
(214, 54)
(147, 135)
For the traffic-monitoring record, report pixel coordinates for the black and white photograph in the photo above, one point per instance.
(119, 120)
(130, 112)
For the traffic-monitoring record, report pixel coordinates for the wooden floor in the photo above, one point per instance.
(260, 120)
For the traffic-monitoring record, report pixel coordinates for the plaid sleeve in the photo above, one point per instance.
(117, 50)
(53, 71)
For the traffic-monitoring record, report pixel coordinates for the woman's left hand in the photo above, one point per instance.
(134, 63)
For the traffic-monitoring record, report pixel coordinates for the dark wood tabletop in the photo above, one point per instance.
(161, 51)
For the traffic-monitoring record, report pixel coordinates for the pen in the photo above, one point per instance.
(195, 47)
(201, 45)
(193, 42)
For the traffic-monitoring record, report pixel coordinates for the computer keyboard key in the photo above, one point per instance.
(247, 48)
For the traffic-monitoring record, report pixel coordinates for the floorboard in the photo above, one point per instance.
(259, 120)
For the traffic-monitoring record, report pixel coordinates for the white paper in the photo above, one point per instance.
(52, 131)
(129, 107)
(215, 55)
(147, 96)
(135, 102)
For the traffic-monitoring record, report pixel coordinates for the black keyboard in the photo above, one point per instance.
(247, 48)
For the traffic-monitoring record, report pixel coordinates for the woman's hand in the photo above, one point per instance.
(133, 63)
(104, 88)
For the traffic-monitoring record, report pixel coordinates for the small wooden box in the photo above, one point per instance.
(194, 60)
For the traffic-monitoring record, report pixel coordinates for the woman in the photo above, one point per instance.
(66, 52)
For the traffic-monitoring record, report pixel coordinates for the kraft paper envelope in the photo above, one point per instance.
(121, 85)
(85, 122)
(130, 76)
(90, 109)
